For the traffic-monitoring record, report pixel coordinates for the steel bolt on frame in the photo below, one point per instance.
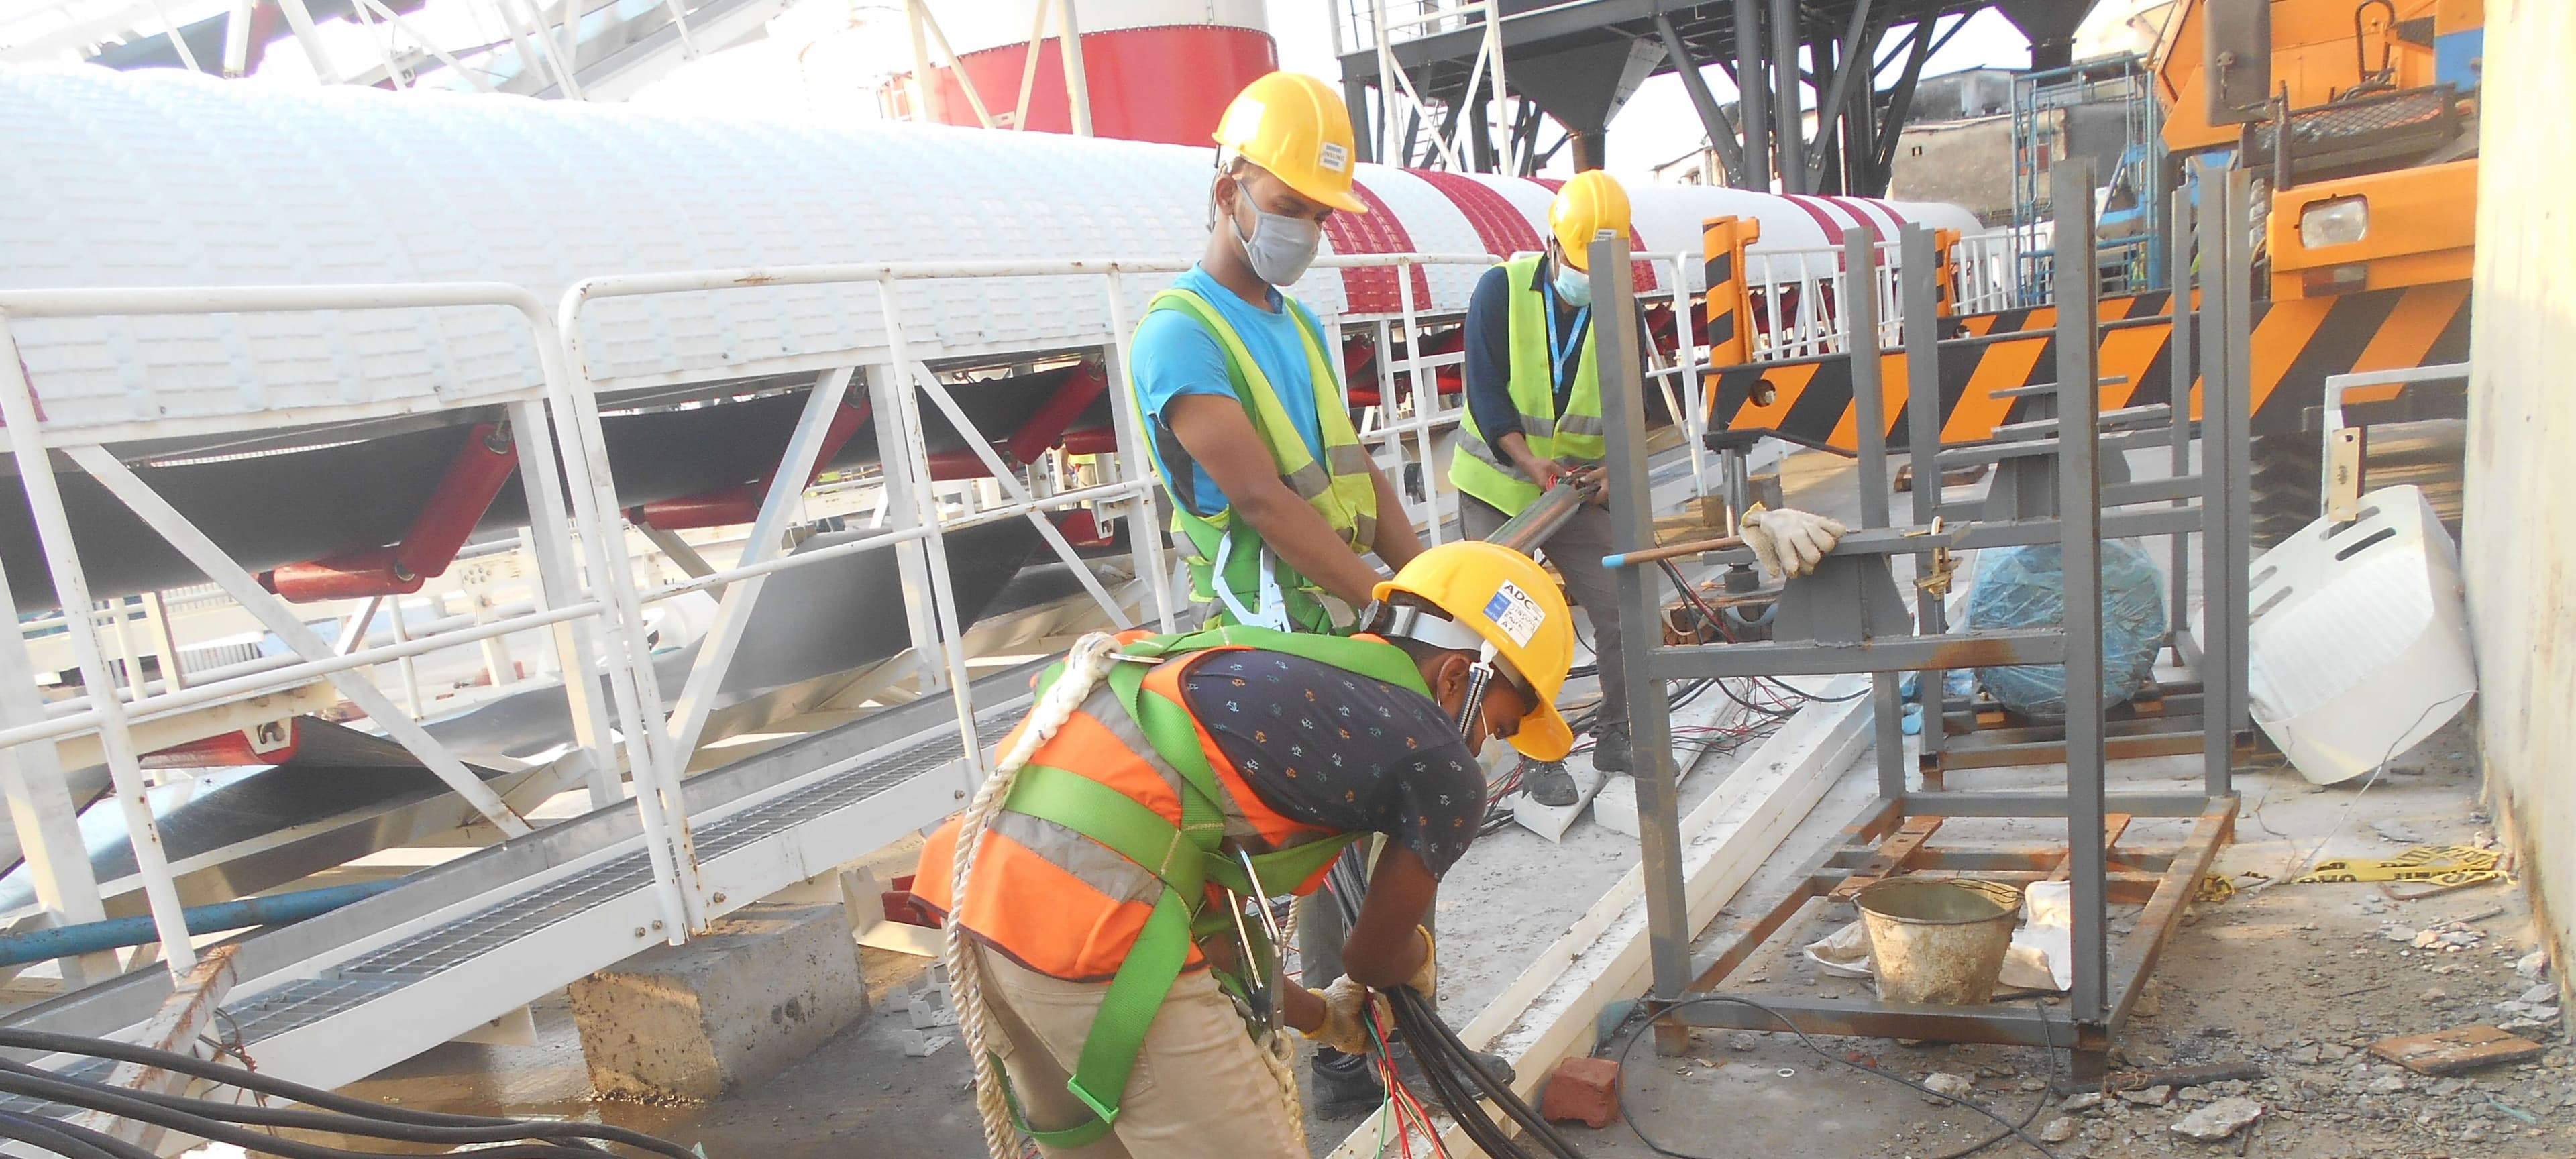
(1852, 621)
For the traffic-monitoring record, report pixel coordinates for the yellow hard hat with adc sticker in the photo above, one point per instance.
(1297, 128)
(1591, 206)
(1515, 613)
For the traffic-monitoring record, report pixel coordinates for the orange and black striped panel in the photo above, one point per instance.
(2296, 345)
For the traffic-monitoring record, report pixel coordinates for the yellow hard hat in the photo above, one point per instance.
(1502, 596)
(1297, 128)
(1590, 207)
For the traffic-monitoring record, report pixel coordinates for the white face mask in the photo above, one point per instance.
(1281, 247)
(1573, 286)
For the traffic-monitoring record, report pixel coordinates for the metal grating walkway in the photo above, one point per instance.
(382, 971)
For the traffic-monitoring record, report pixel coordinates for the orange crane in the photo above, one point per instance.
(2359, 121)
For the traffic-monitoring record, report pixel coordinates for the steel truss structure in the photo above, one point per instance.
(1849, 618)
(1437, 69)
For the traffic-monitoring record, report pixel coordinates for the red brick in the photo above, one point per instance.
(1584, 1090)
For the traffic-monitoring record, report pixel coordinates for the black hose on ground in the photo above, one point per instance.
(232, 1122)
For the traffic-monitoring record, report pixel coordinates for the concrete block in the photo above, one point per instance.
(922, 1043)
(1615, 807)
(1584, 1090)
(760, 990)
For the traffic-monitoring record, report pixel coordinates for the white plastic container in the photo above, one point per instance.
(2359, 647)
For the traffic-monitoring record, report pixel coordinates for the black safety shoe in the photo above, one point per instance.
(1548, 783)
(1344, 1085)
(1610, 748)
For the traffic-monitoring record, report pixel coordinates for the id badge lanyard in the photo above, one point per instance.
(1562, 350)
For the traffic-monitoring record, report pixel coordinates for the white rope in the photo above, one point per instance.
(1084, 667)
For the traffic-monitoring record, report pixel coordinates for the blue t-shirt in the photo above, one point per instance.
(1173, 355)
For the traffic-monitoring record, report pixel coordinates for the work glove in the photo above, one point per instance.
(1347, 1007)
(1425, 980)
(1790, 542)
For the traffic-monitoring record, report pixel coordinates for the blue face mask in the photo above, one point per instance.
(1573, 286)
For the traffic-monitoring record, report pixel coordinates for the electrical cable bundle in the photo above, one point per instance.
(1452, 1071)
(228, 1122)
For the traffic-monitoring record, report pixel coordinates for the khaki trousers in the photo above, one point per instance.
(1200, 1086)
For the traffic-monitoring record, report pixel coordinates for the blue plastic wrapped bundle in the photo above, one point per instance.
(2025, 587)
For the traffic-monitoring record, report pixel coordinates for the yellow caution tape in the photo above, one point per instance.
(2214, 887)
(2438, 864)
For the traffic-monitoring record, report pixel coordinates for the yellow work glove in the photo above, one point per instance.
(1426, 980)
(1790, 542)
(1346, 1015)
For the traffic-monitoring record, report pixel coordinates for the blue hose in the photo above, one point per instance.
(20, 949)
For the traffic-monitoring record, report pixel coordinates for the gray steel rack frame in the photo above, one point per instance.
(1848, 617)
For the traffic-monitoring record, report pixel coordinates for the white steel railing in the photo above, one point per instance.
(585, 591)
(27, 757)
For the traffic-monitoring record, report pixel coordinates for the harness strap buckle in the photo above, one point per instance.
(1108, 1115)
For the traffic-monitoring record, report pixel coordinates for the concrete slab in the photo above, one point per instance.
(762, 989)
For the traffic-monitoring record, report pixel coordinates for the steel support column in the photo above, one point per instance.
(1869, 413)
(2222, 567)
(71, 592)
(1900, 103)
(910, 453)
(1853, 59)
(1632, 524)
(1752, 100)
(765, 541)
(1917, 251)
(2079, 413)
(2180, 377)
(559, 584)
(1720, 137)
(43, 814)
(1144, 532)
(1789, 133)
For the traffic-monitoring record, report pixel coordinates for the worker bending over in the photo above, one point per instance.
(1534, 415)
(1102, 954)
(1240, 399)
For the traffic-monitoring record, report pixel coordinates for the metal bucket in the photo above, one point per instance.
(1938, 942)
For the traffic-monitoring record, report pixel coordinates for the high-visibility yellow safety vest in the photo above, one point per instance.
(1574, 435)
(1229, 565)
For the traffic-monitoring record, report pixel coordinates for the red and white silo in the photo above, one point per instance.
(1156, 70)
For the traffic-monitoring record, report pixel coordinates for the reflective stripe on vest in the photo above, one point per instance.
(1109, 845)
(1575, 435)
(1339, 487)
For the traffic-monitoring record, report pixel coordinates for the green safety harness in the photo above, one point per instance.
(1186, 857)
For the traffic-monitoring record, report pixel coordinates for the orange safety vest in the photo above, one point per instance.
(1054, 900)
(1118, 834)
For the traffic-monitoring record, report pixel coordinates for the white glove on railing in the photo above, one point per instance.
(1790, 542)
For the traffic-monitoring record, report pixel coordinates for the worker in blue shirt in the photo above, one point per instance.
(1273, 496)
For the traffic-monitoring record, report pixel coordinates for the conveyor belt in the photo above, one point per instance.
(336, 998)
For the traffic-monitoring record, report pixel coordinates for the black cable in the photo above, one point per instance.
(126, 1104)
(1445, 1059)
(58, 1139)
(2046, 1098)
(324, 1121)
(2011, 1129)
(1629, 1047)
(48, 1042)
(1805, 695)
